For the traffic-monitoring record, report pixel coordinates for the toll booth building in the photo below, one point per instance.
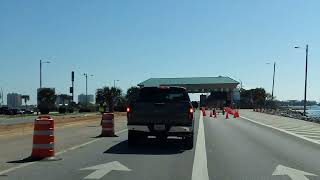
(215, 91)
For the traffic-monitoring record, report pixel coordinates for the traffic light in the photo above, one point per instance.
(72, 76)
(71, 90)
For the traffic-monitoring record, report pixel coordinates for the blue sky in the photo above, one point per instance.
(135, 40)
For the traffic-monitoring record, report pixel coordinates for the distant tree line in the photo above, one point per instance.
(253, 98)
(112, 99)
(296, 103)
(259, 98)
(109, 98)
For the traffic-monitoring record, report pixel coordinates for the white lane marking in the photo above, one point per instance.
(282, 130)
(304, 131)
(15, 168)
(307, 133)
(311, 136)
(58, 153)
(200, 166)
(294, 174)
(103, 169)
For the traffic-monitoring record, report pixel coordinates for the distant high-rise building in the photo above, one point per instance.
(14, 100)
(82, 99)
(63, 99)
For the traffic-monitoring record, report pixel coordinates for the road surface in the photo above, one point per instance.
(224, 149)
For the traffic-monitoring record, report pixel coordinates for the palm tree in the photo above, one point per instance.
(46, 100)
(25, 98)
(108, 95)
(132, 94)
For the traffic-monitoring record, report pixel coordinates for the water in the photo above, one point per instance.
(313, 111)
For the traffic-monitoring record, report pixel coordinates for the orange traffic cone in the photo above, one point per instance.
(210, 113)
(237, 113)
(215, 114)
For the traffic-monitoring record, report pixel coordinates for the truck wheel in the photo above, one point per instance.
(189, 142)
(133, 138)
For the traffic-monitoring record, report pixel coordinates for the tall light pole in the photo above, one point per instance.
(1, 95)
(274, 73)
(240, 92)
(41, 62)
(114, 83)
(305, 79)
(86, 76)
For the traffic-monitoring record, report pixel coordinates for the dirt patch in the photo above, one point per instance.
(60, 121)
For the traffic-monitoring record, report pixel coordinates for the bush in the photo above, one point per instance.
(62, 109)
(44, 110)
(70, 109)
(81, 110)
(195, 104)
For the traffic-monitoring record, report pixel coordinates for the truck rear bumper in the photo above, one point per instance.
(171, 130)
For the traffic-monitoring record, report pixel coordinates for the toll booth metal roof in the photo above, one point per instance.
(194, 84)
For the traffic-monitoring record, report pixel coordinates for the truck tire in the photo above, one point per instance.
(133, 138)
(189, 142)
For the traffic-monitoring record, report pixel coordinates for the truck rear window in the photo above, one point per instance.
(163, 95)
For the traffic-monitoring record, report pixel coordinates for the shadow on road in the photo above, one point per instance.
(100, 136)
(33, 159)
(148, 147)
(26, 160)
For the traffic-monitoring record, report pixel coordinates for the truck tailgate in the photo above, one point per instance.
(170, 113)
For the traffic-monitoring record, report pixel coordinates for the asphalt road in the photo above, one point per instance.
(224, 149)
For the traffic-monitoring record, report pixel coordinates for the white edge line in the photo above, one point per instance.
(282, 130)
(58, 153)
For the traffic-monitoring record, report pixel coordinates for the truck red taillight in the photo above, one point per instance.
(191, 111)
(129, 110)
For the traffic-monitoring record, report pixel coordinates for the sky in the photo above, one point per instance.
(133, 40)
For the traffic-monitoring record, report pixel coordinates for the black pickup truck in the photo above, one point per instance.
(161, 112)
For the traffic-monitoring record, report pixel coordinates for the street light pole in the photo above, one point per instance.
(274, 73)
(86, 76)
(46, 62)
(305, 80)
(40, 73)
(114, 83)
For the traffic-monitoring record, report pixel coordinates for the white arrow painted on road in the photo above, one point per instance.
(103, 169)
(294, 174)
